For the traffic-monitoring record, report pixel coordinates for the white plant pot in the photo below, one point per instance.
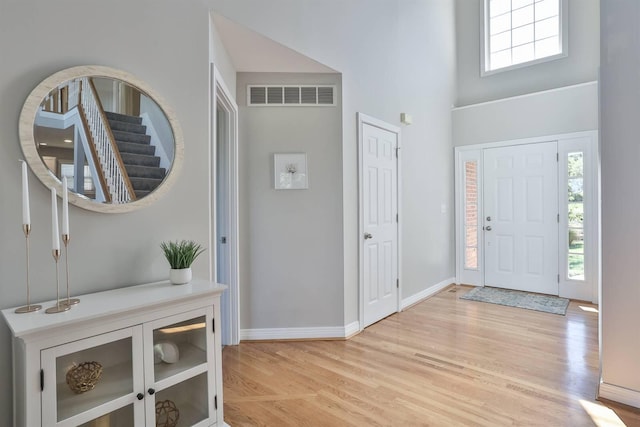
(180, 276)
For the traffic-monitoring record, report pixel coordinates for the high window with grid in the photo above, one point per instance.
(523, 32)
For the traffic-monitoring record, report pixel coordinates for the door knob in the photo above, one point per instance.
(140, 396)
(368, 236)
(151, 391)
(488, 228)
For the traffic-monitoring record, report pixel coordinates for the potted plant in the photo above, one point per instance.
(180, 256)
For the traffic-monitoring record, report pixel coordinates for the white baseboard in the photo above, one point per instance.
(332, 331)
(351, 329)
(619, 394)
(406, 302)
(300, 333)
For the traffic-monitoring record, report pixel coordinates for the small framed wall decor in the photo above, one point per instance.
(290, 171)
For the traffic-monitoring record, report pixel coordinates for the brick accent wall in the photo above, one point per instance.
(471, 214)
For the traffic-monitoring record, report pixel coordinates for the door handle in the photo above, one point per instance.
(488, 228)
(368, 236)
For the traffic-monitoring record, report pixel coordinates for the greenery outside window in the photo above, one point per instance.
(575, 209)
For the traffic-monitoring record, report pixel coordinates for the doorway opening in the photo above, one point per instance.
(224, 197)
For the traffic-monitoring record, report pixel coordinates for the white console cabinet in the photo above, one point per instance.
(156, 346)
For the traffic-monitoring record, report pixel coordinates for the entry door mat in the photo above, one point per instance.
(520, 299)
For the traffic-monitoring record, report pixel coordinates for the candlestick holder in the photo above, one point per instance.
(59, 307)
(69, 301)
(29, 308)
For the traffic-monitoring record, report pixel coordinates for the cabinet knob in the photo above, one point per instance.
(151, 391)
(140, 396)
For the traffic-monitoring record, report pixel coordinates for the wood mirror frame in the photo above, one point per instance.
(29, 144)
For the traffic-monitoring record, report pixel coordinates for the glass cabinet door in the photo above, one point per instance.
(179, 367)
(86, 380)
(187, 401)
(122, 417)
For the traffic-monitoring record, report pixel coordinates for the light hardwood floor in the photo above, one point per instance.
(443, 362)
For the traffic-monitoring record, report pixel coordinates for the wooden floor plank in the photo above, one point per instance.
(443, 362)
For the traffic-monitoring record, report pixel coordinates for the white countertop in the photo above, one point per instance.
(108, 303)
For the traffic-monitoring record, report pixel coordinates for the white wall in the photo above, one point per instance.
(552, 112)
(580, 66)
(219, 56)
(292, 239)
(395, 56)
(162, 42)
(152, 112)
(554, 97)
(620, 127)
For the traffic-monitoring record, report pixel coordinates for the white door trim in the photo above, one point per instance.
(220, 94)
(594, 228)
(363, 119)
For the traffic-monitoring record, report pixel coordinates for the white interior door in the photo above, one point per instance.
(380, 227)
(521, 217)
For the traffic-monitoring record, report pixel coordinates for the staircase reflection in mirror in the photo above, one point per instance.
(114, 146)
(113, 136)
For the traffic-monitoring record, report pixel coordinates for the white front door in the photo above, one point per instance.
(380, 227)
(521, 217)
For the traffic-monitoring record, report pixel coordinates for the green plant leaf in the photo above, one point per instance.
(181, 254)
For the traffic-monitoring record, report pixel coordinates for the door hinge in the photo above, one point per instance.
(558, 278)
(557, 157)
(558, 218)
(397, 283)
(397, 148)
(41, 379)
(213, 325)
(397, 218)
(215, 401)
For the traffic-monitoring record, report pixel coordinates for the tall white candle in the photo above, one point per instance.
(26, 214)
(65, 207)
(54, 220)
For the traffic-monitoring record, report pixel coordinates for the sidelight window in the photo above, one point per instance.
(575, 215)
(471, 215)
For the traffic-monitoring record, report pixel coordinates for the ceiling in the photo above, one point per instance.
(52, 137)
(253, 52)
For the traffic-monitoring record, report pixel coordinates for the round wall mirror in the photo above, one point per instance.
(116, 142)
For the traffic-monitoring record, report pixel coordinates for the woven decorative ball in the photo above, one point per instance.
(167, 415)
(84, 377)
